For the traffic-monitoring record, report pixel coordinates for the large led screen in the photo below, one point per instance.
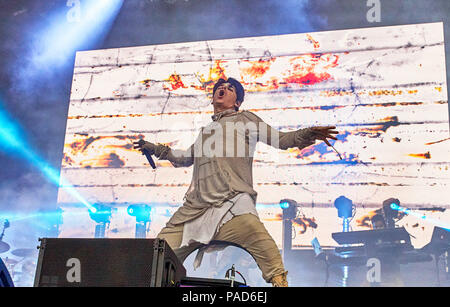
(384, 88)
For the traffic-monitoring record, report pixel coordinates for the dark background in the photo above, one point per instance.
(38, 99)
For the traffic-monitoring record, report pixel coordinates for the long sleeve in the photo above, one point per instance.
(300, 138)
(178, 158)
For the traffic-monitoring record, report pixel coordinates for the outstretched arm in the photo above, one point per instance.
(300, 138)
(178, 158)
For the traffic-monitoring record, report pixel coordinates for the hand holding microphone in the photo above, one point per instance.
(147, 149)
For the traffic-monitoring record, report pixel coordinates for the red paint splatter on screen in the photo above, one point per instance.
(303, 70)
(175, 82)
(311, 69)
(308, 79)
(257, 75)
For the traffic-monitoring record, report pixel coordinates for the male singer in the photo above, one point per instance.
(220, 202)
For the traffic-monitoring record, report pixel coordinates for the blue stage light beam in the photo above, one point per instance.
(418, 215)
(58, 42)
(12, 142)
(18, 217)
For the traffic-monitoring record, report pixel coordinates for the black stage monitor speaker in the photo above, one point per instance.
(100, 262)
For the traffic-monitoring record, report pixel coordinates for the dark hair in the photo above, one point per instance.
(235, 83)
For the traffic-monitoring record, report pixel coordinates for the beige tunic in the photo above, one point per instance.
(222, 156)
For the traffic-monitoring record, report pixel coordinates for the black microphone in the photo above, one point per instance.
(147, 154)
(149, 158)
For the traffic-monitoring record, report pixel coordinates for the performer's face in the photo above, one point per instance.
(225, 96)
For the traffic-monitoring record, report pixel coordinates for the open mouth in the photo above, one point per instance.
(221, 93)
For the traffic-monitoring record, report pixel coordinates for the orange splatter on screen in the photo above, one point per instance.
(426, 155)
(277, 217)
(313, 41)
(105, 160)
(385, 93)
(377, 128)
(365, 220)
(80, 144)
(146, 82)
(431, 143)
(303, 223)
(333, 93)
(89, 151)
(257, 68)
(67, 160)
(217, 71)
(103, 151)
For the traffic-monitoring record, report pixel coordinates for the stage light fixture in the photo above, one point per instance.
(140, 211)
(389, 213)
(284, 204)
(100, 213)
(102, 216)
(142, 214)
(344, 207)
(289, 207)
